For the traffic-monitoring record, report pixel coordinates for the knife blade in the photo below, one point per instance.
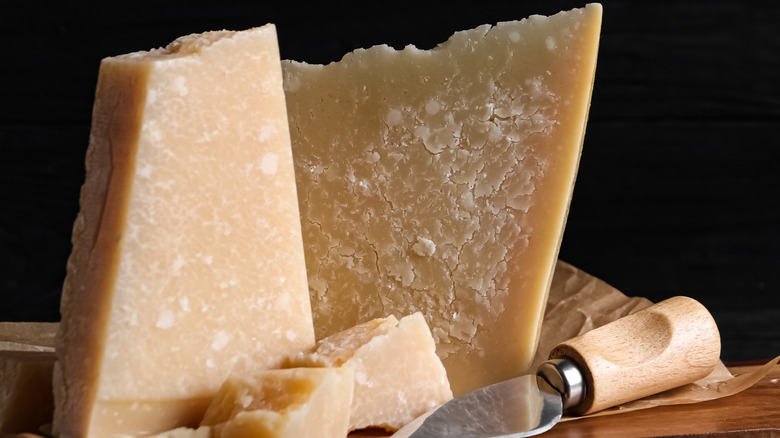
(664, 346)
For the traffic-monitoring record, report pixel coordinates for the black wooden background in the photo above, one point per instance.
(678, 186)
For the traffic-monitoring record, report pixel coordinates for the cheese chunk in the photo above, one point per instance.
(439, 181)
(185, 432)
(398, 376)
(26, 401)
(187, 261)
(293, 403)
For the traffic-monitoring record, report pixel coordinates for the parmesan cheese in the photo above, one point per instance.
(187, 262)
(398, 376)
(439, 181)
(290, 403)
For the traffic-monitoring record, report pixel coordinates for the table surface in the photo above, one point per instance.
(752, 413)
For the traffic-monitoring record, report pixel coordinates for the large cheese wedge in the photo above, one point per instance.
(439, 181)
(290, 403)
(398, 376)
(187, 261)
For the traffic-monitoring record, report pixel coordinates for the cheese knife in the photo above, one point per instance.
(664, 346)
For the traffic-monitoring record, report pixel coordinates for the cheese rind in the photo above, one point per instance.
(398, 376)
(289, 403)
(187, 263)
(439, 181)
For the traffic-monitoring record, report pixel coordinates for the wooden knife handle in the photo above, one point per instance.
(664, 346)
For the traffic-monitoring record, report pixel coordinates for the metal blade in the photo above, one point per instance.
(520, 407)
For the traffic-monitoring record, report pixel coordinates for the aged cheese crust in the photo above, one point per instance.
(188, 260)
(439, 181)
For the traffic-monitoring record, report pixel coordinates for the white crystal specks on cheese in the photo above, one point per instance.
(438, 181)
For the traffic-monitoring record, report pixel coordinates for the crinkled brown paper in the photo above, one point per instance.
(577, 303)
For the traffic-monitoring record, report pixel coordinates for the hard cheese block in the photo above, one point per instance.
(439, 181)
(290, 403)
(398, 376)
(188, 261)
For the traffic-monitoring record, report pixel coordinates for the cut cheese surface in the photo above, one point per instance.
(290, 403)
(439, 181)
(398, 376)
(187, 261)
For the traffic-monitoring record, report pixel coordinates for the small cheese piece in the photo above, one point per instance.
(398, 376)
(439, 181)
(187, 262)
(291, 403)
(26, 402)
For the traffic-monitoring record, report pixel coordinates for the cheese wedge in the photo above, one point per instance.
(290, 403)
(439, 181)
(398, 376)
(187, 262)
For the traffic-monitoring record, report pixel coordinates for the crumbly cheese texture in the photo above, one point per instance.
(439, 181)
(187, 262)
(289, 403)
(398, 376)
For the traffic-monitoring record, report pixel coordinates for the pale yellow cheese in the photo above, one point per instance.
(439, 181)
(398, 376)
(187, 264)
(290, 403)
(185, 432)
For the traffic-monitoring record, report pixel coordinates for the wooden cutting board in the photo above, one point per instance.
(753, 413)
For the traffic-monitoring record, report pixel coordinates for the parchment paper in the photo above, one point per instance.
(579, 302)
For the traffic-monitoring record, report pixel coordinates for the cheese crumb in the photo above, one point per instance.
(424, 247)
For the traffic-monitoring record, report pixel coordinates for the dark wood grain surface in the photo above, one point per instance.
(677, 191)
